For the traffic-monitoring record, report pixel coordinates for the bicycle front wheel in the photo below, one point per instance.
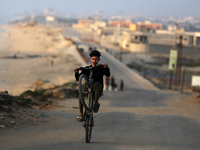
(85, 95)
(88, 128)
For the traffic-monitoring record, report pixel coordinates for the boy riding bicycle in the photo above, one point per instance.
(98, 73)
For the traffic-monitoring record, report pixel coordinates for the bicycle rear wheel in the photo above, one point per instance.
(88, 128)
(85, 95)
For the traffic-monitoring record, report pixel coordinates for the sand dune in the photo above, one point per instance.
(29, 53)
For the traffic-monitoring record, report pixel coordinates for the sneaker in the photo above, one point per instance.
(96, 107)
(79, 118)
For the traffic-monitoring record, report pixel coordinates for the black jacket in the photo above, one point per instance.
(98, 73)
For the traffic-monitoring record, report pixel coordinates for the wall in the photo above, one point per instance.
(138, 47)
(165, 49)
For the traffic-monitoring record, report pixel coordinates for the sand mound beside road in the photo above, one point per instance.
(32, 52)
(20, 39)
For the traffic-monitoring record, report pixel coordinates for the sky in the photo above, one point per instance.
(176, 8)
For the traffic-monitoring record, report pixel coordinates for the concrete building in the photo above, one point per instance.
(83, 23)
(148, 25)
(153, 40)
(133, 27)
(161, 42)
(121, 22)
(98, 25)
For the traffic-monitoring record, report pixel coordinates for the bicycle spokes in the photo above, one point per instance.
(84, 91)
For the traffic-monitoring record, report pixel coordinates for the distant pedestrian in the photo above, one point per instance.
(107, 79)
(52, 63)
(15, 56)
(113, 85)
(121, 85)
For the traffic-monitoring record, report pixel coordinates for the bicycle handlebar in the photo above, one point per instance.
(89, 67)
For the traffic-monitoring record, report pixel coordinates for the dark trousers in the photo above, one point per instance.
(97, 91)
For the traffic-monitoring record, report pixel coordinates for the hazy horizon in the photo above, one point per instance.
(10, 8)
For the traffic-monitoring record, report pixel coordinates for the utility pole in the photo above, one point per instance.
(183, 80)
(116, 39)
(174, 47)
(170, 80)
(176, 27)
(178, 68)
(171, 70)
(179, 59)
(121, 51)
(117, 32)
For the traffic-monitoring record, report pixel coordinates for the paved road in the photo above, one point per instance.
(136, 119)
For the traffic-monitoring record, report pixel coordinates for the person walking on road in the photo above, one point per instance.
(113, 85)
(107, 79)
(121, 85)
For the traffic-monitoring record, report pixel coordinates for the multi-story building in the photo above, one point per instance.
(145, 26)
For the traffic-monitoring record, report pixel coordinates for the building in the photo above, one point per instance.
(148, 25)
(132, 27)
(119, 22)
(99, 25)
(83, 23)
(161, 41)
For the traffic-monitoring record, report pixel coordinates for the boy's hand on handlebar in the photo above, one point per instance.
(75, 69)
(105, 65)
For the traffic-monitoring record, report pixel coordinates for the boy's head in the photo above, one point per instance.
(95, 53)
(95, 57)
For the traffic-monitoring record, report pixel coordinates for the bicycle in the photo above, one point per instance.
(86, 95)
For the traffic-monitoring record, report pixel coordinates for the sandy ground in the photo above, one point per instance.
(29, 53)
